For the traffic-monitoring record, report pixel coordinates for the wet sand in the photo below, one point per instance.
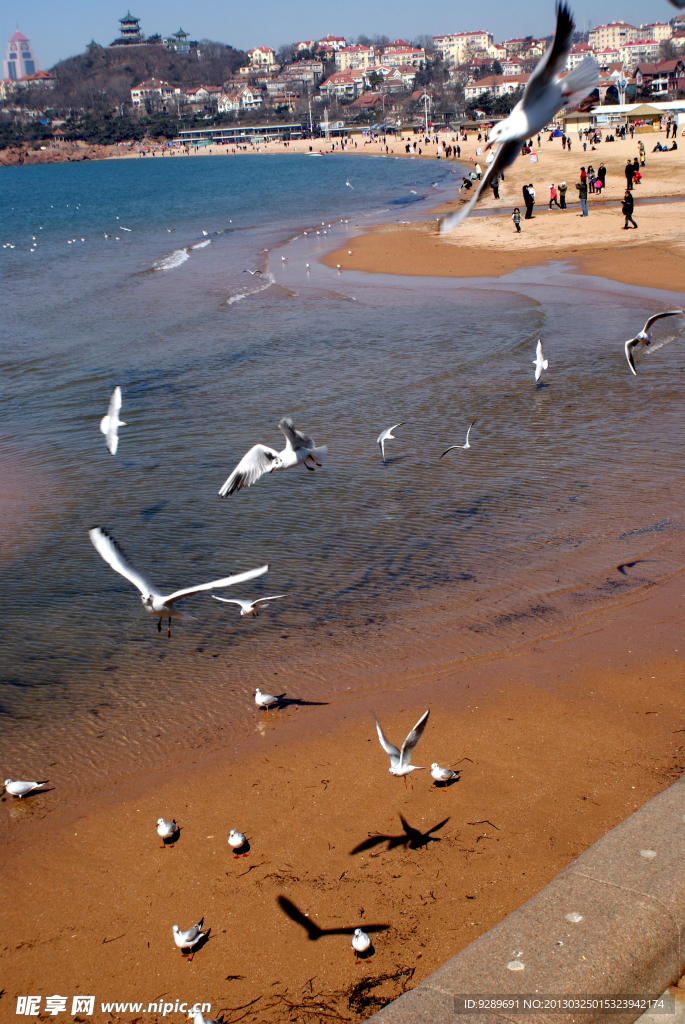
(555, 743)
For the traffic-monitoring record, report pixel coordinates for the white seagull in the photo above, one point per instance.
(439, 774)
(348, 184)
(540, 363)
(197, 1018)
(299, 449)
(400, 760)
(236, 839)
(252, 272)
(20, 787)
(166, 829)
(453, 446)
(186, 940)
(545, 93)
(644, 337)
(360, 943)
(249, 607)
(387, 435)
(265, 700)
(109, 424)
(155, 602)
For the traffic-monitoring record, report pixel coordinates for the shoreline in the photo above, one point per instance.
(553, 751)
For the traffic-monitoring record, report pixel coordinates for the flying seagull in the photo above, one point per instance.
(249, 607)
(453, 446)
(186, 940)
(265, 700)
(259, 460)
(540, 363)
(400, 760)
(109, 424)
(165, 830)
(387, 435)
(545, 93)
(644, 337)
(153, 601)
(20, 788)
(348, 184)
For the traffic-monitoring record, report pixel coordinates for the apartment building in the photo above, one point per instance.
(614, 35)
(354, 57)
(456, 49)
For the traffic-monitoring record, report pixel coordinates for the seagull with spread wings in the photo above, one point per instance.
(644, 337)
(400, 760)
(464, 446)
(155, 602)
(109, 424)
(299, 450)
(545, 94)
(249, 607)
(387, 435)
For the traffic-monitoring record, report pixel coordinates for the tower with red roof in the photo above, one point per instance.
(19, 59)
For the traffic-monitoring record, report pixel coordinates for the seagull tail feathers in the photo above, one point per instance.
(317, 455)
(580, 81)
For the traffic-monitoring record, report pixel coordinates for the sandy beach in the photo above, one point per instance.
(555, 740)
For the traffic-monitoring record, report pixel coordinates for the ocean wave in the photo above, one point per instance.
(270, 279)
(174, 259)
(201, 245)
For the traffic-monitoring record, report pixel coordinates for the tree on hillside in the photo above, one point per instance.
(376, 80)
(667, 50)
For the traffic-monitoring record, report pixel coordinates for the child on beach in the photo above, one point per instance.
(516, 217)
(553, 200)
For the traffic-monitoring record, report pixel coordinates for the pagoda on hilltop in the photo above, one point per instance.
(129, 32)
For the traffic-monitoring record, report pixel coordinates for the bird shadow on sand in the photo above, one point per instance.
(288, 701)
(200, 944)
(411, 839)
(27, 796)
(447, 782)
(541, 384)
(313, 930)
(241, 851)
(629, 565)
(171, 840)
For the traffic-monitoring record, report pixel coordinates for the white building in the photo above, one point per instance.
(498, 85)
(457, 48)
(639, 50)
(614, 35)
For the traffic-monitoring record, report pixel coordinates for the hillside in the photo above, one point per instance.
(102, 78)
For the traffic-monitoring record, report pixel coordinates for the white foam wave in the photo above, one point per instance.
(201, 245)
(251, 291)
(174, 259)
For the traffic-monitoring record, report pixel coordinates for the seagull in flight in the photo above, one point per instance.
(265, 700)
(153, 601)
(249, 607)
(453, 446)
(386, 435)
(400, 760)
(109, 424)
(186, 940)
(540, 363)
(545, 94)
(20, 788)
(252, 272)
(644, 337)
(299, 449)
(348, 184)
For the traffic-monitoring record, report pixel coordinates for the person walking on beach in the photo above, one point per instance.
(636, 170)
(528, 202)
(494, 185)
(516, 217)
(582, 195)
(641, 149)
(627, 210)
(630, 173)
(562, 194)
(553, 200)
(602, 175)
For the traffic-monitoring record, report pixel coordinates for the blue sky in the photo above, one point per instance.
(59, 30)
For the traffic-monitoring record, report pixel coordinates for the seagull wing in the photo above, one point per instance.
(258, 461)
(228, 581)
(115, 404)
(274, 597)
(193, 932)
(233, 600)
(392, 752)
(554, 60)
(629, 346)
(451, 448)
(469, 431)
(294, 438)
(412, 739)
(658, 316)
(505, 155)
(108, 549)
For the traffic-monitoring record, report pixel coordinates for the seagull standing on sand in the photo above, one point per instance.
(545, 93)
(20, 788)
(265, 700)
(540, 363)
(360, 943)
(644, 337)
(400, 760)
(109, 424)
(187, 940)
(165, 830)
(153, 601)
(463, 446)
(249, 607)
(299, 449)
(439, 774)
(236, 840)
(387, 435)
